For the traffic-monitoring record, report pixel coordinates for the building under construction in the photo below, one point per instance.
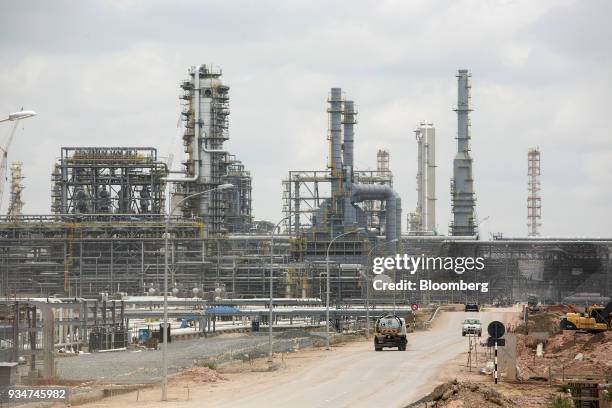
(105, 231)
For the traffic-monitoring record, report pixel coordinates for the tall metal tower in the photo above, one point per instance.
(462, 183)
(424, 217)
(208, 165)
(534, 200)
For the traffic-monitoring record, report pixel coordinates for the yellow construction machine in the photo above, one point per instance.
(595, 319)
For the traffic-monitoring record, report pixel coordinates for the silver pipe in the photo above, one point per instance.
(393, 210)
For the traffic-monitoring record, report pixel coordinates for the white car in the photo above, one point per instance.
(471, 326)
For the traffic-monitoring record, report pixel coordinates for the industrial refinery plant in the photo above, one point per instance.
(110, 206)
(134, 254)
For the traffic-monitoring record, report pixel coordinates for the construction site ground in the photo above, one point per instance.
(567, 355)
(143, 366)
(351, 375)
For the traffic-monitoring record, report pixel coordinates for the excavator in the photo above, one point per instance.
(595, 319)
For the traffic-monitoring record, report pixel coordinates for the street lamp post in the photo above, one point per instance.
(14, 117)
(370, 259)
(367, 302)
(164, 396)
(270, 317)
(367, 283)
(328, 283)
(395, 274)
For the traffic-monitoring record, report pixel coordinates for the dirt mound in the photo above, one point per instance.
(464, 394)
(199, 375)
(545, 322)
(560, 309)
(568, 352)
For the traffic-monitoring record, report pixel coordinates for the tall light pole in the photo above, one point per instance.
(271, 286)
(395, 274)
(367, 282)
(367, 302)
(164, 395)
(328, 283)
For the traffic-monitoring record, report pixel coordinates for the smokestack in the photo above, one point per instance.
(462, 184)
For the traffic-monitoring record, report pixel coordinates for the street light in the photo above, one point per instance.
(367, 302)
(328, 284)
(367, 283)
(165, 328)
(271, 286)
(13, 117)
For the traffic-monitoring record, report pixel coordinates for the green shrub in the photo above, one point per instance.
(560, 401)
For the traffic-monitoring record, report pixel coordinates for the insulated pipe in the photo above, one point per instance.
(393, 210)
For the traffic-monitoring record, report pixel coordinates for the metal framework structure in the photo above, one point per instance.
(306, 191)
(16, 203)
(205, 114)
(238, 217)
(384, 171)
(108, 180)
(534, 200)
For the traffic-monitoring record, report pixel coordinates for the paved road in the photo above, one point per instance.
(357, 376)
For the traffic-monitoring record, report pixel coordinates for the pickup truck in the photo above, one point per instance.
(471, 326)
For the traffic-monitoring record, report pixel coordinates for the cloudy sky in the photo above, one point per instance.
(107, 73)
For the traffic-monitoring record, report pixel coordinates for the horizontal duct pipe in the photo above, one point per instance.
(393, 205)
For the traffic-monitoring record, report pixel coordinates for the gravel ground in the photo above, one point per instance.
(135, 367)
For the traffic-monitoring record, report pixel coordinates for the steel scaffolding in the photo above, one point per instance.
(534, 200)
(103, 180)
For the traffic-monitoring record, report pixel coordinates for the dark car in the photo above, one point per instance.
(471, 307)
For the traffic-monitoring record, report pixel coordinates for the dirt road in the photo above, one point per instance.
(353, 375)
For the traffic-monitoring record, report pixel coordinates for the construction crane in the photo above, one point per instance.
(15, 118)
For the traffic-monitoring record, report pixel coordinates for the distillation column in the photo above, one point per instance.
(348, 122)
(335, 138)
(423, 219)
(206, 129)
(462, 184)
(429, 152)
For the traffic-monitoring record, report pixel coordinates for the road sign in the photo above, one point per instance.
(496, 329)
(491, 342)
(414, 307)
